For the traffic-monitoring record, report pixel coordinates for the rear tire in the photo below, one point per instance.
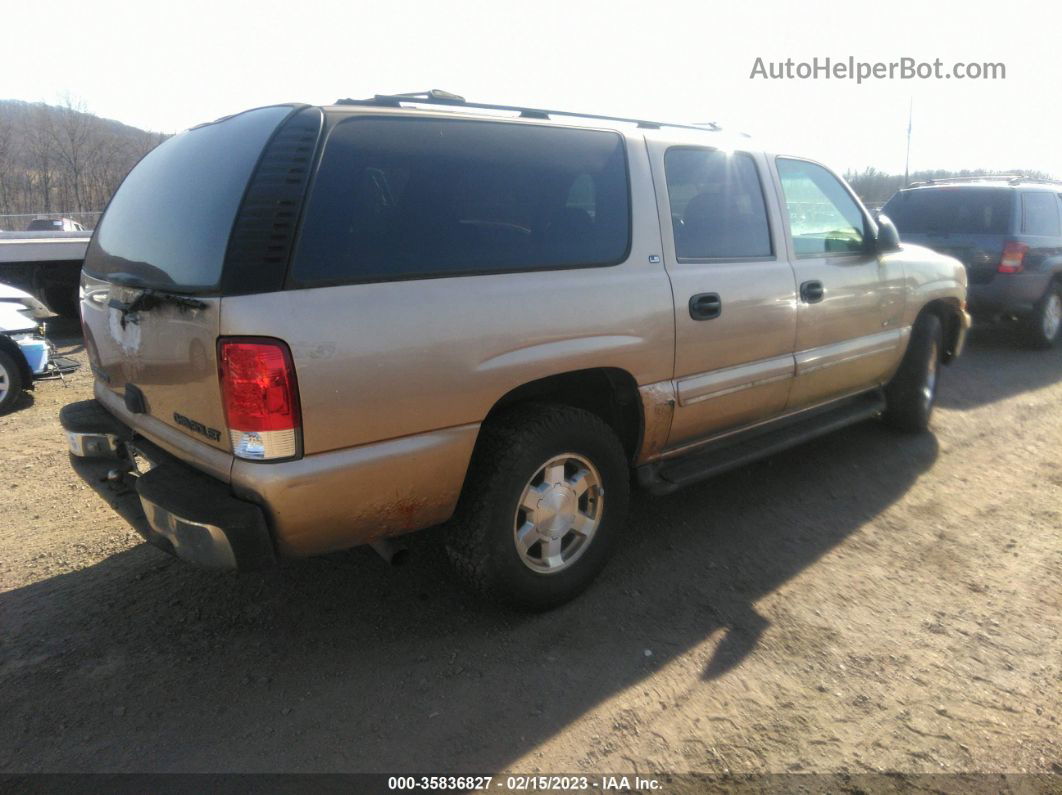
(11, 384)
(63, 301)
(1043, 327)
(544, 499)
(910, 395)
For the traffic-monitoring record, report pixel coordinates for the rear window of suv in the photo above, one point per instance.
(417, 198)
(973, 211)
(168, 225)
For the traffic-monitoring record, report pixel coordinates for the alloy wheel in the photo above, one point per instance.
(1052, 318)
(559, 512)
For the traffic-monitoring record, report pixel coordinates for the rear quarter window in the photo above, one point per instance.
(168, 224)
(419, 198)
(1040, 214)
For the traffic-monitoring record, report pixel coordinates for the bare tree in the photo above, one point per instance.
(72, 132)
(876, 187)
(7, 156)
(63, 159)
(41, 155)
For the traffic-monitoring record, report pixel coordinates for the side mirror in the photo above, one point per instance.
(888, 236)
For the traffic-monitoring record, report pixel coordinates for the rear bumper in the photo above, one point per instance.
(173, 506)
(1008, 293)
(264, 510)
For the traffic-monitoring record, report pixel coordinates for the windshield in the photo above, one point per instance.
(976, 211)
(168, 225)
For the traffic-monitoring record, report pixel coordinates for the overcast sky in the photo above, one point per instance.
(166, 66)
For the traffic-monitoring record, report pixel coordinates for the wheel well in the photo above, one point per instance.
(10, 347)
(610, 393)
(948, 311)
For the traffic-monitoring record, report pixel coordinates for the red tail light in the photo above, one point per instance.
(1013, 260)
(261, 397)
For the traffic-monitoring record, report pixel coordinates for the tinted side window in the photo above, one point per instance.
(406, 198)
(952, 208)
(823, 217)
(1040, 214)
(717, 207)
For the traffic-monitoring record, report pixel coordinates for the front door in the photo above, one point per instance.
(850, 300)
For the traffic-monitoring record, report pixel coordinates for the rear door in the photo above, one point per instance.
(735, 316)
(849, 334)
(152, 280)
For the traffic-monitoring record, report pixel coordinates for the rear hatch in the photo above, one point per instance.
(153, 280)
(970, 223)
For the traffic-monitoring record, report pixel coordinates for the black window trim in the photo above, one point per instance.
(334, 120)
(870, 228)
(772, 257)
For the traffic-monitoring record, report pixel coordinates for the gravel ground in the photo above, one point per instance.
(867, 602)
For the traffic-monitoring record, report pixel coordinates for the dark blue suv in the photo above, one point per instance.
(1007, 231)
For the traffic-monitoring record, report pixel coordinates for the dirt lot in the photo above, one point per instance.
(868, 602)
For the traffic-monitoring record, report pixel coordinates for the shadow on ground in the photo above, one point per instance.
(24, 401)
(995, 366)
(66, 335)
(343, 664)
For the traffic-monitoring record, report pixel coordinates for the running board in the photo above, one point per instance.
(714, 458)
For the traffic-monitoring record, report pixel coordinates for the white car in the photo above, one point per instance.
(54, 225)
(20, 298)
(25, 353)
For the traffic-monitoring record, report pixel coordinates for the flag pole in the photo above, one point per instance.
(907, 162)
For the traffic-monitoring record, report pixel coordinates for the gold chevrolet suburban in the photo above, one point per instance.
(318, 327)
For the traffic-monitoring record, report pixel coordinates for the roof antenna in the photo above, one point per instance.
(907, 162)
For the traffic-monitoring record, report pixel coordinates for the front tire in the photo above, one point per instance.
(10, 382)
(912, 392)
(1044, 325)
(544, 499)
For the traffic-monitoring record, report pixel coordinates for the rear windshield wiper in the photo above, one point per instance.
(148, 298)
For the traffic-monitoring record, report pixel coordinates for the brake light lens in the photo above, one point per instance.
(261, 397)
(1013, 260)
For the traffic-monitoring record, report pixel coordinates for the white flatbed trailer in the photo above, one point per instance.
(46, 265)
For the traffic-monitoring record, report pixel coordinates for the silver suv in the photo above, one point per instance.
(318, 327)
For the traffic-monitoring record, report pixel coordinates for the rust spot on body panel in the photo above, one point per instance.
(658, 405)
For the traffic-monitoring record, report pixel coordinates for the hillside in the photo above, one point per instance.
(63, 159)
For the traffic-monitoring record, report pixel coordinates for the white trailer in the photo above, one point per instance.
(45, 264)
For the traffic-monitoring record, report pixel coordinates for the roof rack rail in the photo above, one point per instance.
(1037, 180)
(438, 97)
(1012, 179)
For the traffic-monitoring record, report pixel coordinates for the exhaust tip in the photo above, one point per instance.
(395, 553)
